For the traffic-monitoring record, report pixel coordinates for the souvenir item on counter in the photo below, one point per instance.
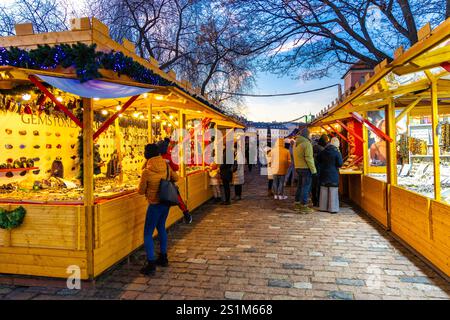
(445, 137)
(48, 134)
(8, 131)
(417, 146)
(23, 132)
(35, 133)
(58, 134)
(27, 109)
(59, 146)
(57, 169)
(36, 159)
(30, 163)
(8, 146)
(72, 146)
(9, 174)
(36, 171)
(17, 164)
(73, 157)
(22, 146)
(48, 146)
(36, 146)
(22, 173)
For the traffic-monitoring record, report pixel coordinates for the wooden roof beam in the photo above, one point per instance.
(407, 110)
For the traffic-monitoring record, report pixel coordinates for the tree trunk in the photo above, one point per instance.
(409, 20)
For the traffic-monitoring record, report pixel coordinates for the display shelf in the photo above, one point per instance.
(19, 169)
(428, 155)
(350, 171)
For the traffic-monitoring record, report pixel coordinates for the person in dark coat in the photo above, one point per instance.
(315, 187)
(226, 175)
(330, 160)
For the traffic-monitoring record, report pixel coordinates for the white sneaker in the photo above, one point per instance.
(275, 197)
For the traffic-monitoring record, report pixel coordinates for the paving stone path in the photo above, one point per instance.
(259, 248)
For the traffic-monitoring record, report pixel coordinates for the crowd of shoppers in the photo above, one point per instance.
(315, 163)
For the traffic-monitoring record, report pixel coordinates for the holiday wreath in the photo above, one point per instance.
(11, 219)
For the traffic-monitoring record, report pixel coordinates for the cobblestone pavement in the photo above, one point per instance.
(259, 248)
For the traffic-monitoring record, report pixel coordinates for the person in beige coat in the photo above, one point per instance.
(155, 170)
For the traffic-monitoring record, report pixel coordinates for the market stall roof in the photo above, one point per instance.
(94, 88)
(89, 32)
(405, 79)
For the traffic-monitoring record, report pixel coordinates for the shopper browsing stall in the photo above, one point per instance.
(304, 165)
(329, 160)
(280, 163)
(238, 172)
(226, 175)
(156, 170)
(318, 147)
(166, 154)
(214, 181)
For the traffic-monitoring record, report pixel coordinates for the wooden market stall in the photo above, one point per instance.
(81, 107)
(403, 179)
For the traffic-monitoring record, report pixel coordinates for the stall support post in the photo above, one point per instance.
(392, 145)
(118, 142)
(88, 180)
(181, 149)
(366, 160)
(150, 123)
(391, 156)
(436, 151)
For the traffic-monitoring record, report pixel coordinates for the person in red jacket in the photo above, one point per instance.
(166, 153)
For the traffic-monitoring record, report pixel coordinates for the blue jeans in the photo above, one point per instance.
(156, 218)
(303, 185)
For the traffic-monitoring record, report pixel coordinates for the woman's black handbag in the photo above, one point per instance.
(168, 191)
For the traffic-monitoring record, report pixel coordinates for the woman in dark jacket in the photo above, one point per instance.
(330, 160)
(226, 175)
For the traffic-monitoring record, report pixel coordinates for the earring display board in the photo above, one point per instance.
(120, 167)
(46, 146)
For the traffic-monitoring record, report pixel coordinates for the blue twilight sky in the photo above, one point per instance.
(277, 108)
(290, 107)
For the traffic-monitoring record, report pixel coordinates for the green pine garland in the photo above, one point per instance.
(87, 62)
(12, 219)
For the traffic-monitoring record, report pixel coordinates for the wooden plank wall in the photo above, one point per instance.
(198, 189)
(356, 188)
(424, 224)
(373, 199)
(50, 239)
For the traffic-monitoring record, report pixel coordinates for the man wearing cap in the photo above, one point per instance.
(305, 167)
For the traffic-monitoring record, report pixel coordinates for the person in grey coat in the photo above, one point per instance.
(238, 175)
(329, 160)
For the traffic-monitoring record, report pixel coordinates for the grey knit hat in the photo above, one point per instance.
(304, 132)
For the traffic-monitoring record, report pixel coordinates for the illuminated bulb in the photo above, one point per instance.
(171, 117)
(104, 112)
(198, 111)
(164, 123)
(145, 95)
(177, 123)
(96, 99)
(60, 99)
(120, 115)
(170, 124)
(136, 114)
(141, 117)
(159, 98)
(158, 117)
(26, 97)
(119, 107)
